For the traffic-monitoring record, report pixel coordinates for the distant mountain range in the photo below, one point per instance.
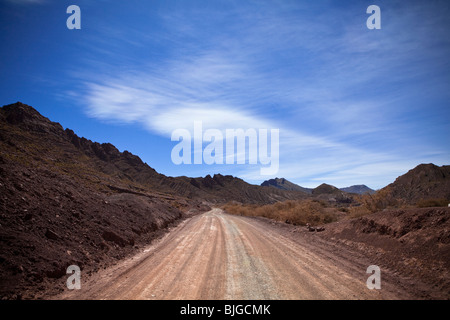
(33, 141)
(283, 184)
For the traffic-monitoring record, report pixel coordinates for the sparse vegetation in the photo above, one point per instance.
(378, 201)
(358, 211)
(427, 203)
(298, 212)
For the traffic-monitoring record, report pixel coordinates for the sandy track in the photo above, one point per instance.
(220, 256)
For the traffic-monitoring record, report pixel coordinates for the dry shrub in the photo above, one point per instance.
(294, 212)
(358, 211)
(234, 208)
(426, 203)
(380, 200)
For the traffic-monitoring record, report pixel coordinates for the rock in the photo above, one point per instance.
(314, 229)
(111, 236)
(57, 272)
(51, 235)
(76, 214)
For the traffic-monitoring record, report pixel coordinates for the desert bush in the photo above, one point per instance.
(234, 208)
(293, 212)
(425, 203)
(380, 200)
(358, 211)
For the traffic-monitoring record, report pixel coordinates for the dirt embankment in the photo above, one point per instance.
(415, 243)
(66, 200)
(50, 221)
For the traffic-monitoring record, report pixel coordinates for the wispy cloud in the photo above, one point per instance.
(338, 93)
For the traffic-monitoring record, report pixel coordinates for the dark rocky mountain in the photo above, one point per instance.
(358, 189)
(283, 184)
(331, 194)
(69, 150)
(426, 181)
(326, 189)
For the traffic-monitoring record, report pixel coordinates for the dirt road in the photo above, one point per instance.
(220, 256)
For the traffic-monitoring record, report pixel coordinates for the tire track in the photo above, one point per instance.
(220, 256)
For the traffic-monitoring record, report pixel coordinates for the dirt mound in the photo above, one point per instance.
(413, 242)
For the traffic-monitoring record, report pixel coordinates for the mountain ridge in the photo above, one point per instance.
(284, 184)
(107, 159)
(358, 189)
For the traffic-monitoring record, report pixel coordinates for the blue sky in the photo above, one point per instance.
(353, 105)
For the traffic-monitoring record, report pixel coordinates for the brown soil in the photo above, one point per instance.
(415, 243)
(49, 222)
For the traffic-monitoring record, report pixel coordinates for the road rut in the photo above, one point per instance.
(220, 256)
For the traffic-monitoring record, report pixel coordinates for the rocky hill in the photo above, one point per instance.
(47, 141)
(283, 184)
(358, 189)
(326, 189)
(426, 181)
